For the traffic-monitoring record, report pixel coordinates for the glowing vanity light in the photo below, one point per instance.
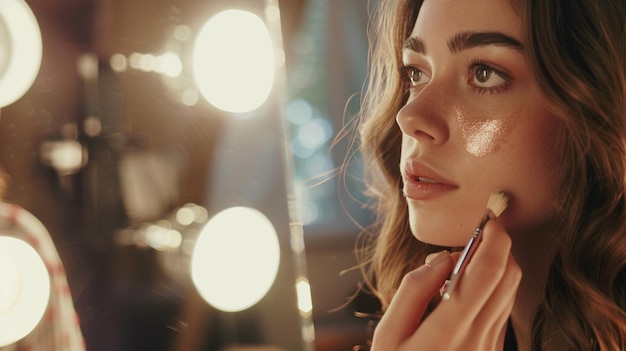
(233, 61)
(20, 57)
(235, 259)
(303, 290)
(24, 289)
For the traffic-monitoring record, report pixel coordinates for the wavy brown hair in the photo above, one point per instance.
(578, 52)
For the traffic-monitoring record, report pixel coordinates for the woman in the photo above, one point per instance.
(528, 96)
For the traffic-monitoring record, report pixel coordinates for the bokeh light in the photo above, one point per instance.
(235, 259)
(303, 290)
(234, 62)
(20, 40)
(24, 289)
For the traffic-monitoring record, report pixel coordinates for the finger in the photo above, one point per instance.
(485, 332)
(484, 271)
(497, 311)
(405, 311)
(503, 295)
(484, 297)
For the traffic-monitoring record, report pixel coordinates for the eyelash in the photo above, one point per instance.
(471, 68)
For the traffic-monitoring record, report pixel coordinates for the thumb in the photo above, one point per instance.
(407, 307)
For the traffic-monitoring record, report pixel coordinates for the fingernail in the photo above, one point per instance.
(436, 258)
(444, 287)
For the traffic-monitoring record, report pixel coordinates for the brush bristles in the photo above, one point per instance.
(498, 201)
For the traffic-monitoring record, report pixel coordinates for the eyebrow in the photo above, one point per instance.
(415, 44)
(468, 40)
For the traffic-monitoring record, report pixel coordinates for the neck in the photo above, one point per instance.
(534, 255)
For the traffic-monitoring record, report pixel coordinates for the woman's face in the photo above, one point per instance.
(475, 121)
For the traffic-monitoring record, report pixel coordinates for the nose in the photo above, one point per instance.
(425, 116)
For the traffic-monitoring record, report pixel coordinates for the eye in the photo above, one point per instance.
(414, 76)
(487, 78)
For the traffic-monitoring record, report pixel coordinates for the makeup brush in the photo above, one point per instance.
(498, 202)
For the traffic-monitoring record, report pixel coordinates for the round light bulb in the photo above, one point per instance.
(24, 289)
(235, 259)
(233, 61)
(20, 39)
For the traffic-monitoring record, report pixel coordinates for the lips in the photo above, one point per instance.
(421, 182)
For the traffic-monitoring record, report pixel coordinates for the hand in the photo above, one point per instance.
(475, 317)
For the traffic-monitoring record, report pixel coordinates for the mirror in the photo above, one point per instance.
(116, 151)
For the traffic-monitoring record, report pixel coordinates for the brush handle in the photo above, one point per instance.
(466, 255)
(468, 252)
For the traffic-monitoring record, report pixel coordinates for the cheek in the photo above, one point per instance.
(484, 136)
(533, 162)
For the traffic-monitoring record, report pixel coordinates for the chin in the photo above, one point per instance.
(435, 237)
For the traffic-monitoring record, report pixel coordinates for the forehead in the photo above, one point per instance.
(447, 17)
